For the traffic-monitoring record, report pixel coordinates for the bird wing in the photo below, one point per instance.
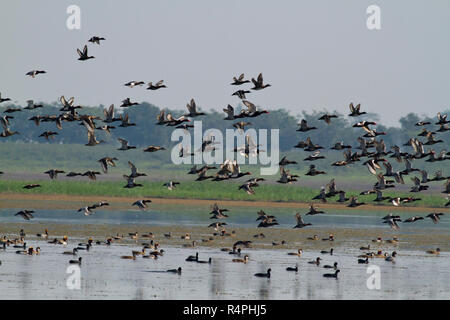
(260, 79)
(250, 106)
(132, 167)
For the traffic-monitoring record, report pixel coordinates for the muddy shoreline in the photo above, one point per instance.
(48, 201)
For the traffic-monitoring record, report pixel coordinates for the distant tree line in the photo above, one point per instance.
(146, 132)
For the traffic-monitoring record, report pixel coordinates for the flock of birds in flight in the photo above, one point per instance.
(230, 170)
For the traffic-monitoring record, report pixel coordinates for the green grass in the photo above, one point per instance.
(196, 190)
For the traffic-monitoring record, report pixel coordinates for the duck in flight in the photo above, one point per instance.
(300, 222)
(32, 106)
(355, 111)
(53, 173)
(241, 94)
(133, 84)
(258, 84)
(48, 134)
(127, 103)
(25, 214)
(435, 216)
(124, 146)
(239, 81)
(3, 99)
(107, 161)
(130, 182)
(304, 126)
(156, 86)
(31, 186)
(170, 185)
(154, 148)
(34, 73)
(192, 108)
(96, 39)
(327, 118)
(84, 55)
(142, 204)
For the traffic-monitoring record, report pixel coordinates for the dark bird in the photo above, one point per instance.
(127, 103)
(355, 111)
(170, 185)
(53, 173)
(156, 86)
(354, 202)
(32, 106)
(130, 182)
(417, 187)
(133, 84)
(96, 39)
(153, 148)
(342, 197)
(240, 94)
(142, 204)
(332, 275)
(252, 111)
(340, 146)
(84, 55)
(34, 73)
(286, 177)
(413, 219)
(125, 145)
(313, 210)
(313, 172)
(258, 84)
(327, 117)
(31, 186)
(431, 140)
(321, 196)
(230, 113)
(392, 223)
(264, 275)
(315, 156)
(304, 126)
(300, 222)
(106, 128)
(109, 115)
(76, 261)
(240, 80)
(284, 161)
(107, 161)
(4, 99)
(295, 269)
(310, 146)
(26, 214)
(435, 216)
(91, 175)
(248, 187)
(192, 108)
(48, 134)
(442, 119)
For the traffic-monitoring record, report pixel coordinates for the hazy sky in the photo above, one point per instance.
(316, 54)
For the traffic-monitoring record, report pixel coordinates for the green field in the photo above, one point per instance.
(196, 190)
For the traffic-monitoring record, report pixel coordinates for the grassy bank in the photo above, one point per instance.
(196, 190)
